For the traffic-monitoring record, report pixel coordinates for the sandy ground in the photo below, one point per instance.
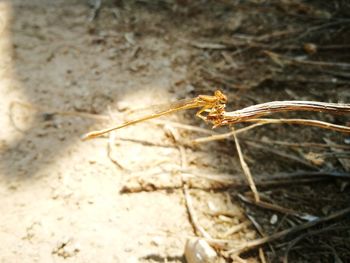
(60, 197)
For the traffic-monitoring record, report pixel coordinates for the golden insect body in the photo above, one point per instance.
(207, 103)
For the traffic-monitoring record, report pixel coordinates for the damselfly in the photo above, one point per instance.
(207, 103)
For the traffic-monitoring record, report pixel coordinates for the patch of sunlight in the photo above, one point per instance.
(10, 85)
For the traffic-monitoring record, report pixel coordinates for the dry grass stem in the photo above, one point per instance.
(259, 242)
(228, 135)
(251, 113)
(184, 126)
(246, 169)
(343, 161)
(260, 122)
(193, 217)
(281, 154)
(259, 229)
(238, 259)
(274, 56)
(226, 181)
(256, 225)
(314, 123)
(236, 228)
(308, 234)
(262, 255)
(110, 147)
(198, 229)
(301, 144)
(277, 208)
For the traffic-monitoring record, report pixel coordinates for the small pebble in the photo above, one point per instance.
(199, 251)
(310, 48)
(273, 219)
(123, 106)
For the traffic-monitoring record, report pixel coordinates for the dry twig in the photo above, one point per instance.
(259, 242)
(193, 217)
(225, 181)
(110, 147)
(246, 169)
(261, 121)
(198, 229)
(281, 154)
(311, 233)
(277, 208)
(277, 57)
(262, 255)
(314, 123)
(301, 144)
(251, 113)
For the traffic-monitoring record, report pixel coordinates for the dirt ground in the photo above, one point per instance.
(120, 199)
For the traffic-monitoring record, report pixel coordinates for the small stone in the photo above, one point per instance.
(315, 158)
(123, 106)
(199, 251)
(91, 161)
(130, 38)
(310, 48)
(273, 219)
(212, 207)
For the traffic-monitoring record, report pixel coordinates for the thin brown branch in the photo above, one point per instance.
(110, 147)
(198, 229)
(236, 228)
(280, 58)
(193, 217)
(259, 110)
(301, 144)
(314, 123)
(282, 154)
(246, 169)
(228, 135)
(277, 208)
(224, 181)
(259, 242)
(263, 121)
(184, 126)
(262, 255)
(311, 233)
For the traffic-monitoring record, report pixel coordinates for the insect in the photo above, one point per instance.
(207, 103)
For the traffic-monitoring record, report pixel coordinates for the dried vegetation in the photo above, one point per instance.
(281, 57)
(271, 51)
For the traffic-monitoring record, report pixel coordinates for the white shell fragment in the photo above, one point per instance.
(198, 251)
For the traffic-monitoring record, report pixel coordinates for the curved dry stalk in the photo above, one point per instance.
(216, 137)
(259, 242)
(246, 169)
(260, 122)
(314, 123)
(259, 110)
(308, 234)
(193, 217)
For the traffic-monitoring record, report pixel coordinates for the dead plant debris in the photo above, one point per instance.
(275, 62)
